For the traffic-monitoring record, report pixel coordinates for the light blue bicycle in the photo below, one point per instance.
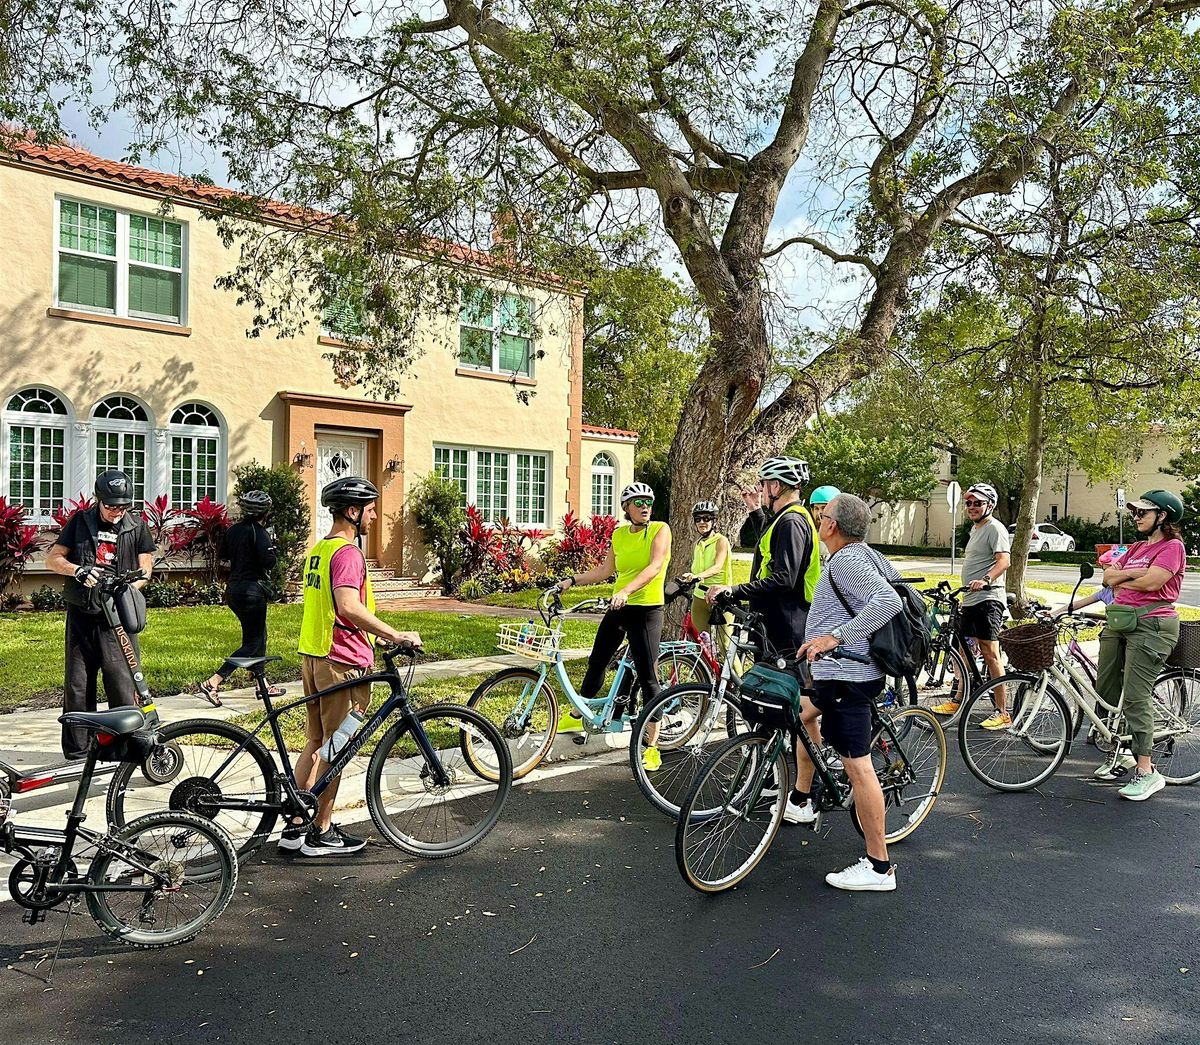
(523, 702)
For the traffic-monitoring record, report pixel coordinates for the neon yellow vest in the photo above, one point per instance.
(632, 554)
(316, 629)
(812, 571)
(704, 557)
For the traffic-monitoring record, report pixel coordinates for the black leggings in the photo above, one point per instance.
(249, 604)
(642, 625)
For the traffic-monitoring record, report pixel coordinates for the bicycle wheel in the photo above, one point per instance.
(428, 819)
(691, 727)
(1177, 704)
(206, 760)
(1029, 751)
(911, 766)
(523, 707)
(898, 693)
(677, 667)
(716, 850)
(197, 857)
(946, 680)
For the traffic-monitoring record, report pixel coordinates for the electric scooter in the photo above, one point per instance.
(157, 768)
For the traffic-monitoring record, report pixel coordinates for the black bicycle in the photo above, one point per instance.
(734, 809)
(436, 783)
(952, 671)
(157, 881)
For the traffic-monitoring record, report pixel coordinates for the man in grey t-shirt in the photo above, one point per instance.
(985, 561)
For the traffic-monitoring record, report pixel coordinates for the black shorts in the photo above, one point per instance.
(846, 714)
(984, 620)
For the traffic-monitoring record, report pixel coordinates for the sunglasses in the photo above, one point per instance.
(1137, 513)
(974, 504)
(642, 502)
(706, 518)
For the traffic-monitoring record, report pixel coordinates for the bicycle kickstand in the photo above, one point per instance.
(61, 936)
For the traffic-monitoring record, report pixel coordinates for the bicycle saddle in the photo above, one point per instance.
(250, 663)
(120, 721)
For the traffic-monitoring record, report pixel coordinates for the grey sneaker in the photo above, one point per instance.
(1143, 785)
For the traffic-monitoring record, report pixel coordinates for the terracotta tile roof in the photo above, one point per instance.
(67, 157)
(619, 432)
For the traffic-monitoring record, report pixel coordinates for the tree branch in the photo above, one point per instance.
(829, 252)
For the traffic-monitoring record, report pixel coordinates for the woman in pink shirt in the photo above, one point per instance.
(1146, 581)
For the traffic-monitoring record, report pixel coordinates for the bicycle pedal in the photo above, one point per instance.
(33, 917)
(815, 826)
(580, 739)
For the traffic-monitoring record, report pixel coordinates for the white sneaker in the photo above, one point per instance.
(794, 813)
(862, 878)
(1116, 767)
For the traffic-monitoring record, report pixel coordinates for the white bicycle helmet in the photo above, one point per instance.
(704, 508)
(791, 471)
(985, 492)
(636, 490)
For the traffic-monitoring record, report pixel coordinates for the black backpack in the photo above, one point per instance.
(900, 647)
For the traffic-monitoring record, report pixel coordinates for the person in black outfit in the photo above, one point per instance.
(107, 535)
(249, 547)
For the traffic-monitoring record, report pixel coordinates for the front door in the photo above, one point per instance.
(337, 457)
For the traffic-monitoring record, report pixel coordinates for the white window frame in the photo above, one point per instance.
(39, 515)
(123, 263)
(193, 432)
(602, 472)
(494, 330)
(510, 508)
(121, 428)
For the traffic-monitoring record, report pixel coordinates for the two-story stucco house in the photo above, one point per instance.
(119, 351)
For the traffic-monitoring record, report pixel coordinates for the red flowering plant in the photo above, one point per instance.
(197, 533)
(62, 514)
(581, 547)
(497, 554)
(19, 542)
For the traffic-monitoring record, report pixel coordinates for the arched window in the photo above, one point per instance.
(122, 435)
(604, 478)
(35, 429)
(195, 454)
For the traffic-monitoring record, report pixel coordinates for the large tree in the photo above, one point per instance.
(406, 121)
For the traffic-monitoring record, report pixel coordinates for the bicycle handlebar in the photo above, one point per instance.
(841, 653)
(399, 649)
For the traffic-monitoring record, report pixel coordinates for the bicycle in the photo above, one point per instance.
(435, 785)
(157, 881)
(1048, 701)
(732, 813)
(952, 669)
(522, 703)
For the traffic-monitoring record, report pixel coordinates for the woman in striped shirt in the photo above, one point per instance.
(844, 690)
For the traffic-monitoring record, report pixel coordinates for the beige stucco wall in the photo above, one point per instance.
(241, 378)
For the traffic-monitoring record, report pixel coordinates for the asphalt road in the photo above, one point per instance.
(1067, 916)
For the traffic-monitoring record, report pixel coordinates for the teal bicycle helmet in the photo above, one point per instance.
(823, 494)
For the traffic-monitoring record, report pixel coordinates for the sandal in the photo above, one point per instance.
(209, 693)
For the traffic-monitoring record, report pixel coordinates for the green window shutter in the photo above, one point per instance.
(88, 282)
(154, 294)
(514, 354)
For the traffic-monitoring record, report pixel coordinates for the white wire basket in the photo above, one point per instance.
(530, 639)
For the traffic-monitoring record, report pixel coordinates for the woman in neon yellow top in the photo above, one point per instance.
(638, 556)
(712, 560)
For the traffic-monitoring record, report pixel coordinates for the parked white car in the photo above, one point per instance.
(1047, 537)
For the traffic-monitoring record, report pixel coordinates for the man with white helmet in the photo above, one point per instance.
(985, 560)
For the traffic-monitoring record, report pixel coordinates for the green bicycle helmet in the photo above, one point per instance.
(1161, 501)
(823, 494)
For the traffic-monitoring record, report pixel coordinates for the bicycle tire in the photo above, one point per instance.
(254, 775)
(527, 746)
(984, 751)
(1178, 757)
(409, 773)
(678, 668)
(922, 738)
(683, 755)
(710, 790)
(217, 879)
(899, 692)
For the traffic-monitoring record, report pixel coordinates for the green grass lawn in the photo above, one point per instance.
(181, 646)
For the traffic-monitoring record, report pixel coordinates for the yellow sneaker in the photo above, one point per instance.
(1000, 720)
(651, 760)
(947, 707)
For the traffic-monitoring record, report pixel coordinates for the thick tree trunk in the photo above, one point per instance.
(1031, 487)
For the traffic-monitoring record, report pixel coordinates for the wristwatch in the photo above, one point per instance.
(837, 633)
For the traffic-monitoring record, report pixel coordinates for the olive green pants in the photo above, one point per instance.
(1131, 662)
(702, 615)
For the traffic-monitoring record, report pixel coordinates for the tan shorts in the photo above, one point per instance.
(327, 713)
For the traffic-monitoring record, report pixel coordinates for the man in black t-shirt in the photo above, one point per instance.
(106, 535)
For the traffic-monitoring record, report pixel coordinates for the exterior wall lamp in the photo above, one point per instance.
(395, 465)
(303, 457)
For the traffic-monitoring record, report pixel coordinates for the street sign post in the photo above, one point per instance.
(1120, 515)
(953, 496)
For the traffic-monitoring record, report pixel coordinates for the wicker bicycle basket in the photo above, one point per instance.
(1186, 653)
(530, 639)
(1029, 647)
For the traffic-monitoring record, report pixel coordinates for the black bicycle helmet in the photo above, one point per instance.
(352, 491)
(254, 503)
(113, 489)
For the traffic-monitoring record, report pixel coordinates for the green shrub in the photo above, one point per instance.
(914, 549)
(436, 506)
(47, 598)
(185, 592)
(289, 519)
(161, 595)
(472, 590)
(1075, 557)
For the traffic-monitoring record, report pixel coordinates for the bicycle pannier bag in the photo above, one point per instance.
(770, 696)
(133, 747)
(131, 609)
